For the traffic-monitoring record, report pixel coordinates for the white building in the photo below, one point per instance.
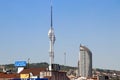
(85, 62)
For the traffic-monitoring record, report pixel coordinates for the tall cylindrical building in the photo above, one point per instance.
(85, 62)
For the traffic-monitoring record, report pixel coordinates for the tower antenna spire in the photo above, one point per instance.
(51, 13)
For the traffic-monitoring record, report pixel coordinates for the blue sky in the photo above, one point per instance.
(24, 26)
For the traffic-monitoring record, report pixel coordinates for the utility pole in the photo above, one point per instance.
(28, 63)
(65, 59)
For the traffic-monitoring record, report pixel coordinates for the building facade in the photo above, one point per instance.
(85, 62)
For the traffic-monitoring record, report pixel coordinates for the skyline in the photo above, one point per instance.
(24, 29)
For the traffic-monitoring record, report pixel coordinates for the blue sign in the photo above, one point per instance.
(20, 63)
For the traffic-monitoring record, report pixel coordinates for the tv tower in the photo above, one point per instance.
(51, 36)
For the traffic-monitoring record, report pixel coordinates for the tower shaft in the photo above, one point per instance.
(51, 52)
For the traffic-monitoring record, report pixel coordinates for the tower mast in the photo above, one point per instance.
(51, 14)
(51, 36)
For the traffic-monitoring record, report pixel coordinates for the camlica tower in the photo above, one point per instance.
(51, 36)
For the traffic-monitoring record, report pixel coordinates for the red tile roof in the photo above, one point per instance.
(34, 71)
(12, 75)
